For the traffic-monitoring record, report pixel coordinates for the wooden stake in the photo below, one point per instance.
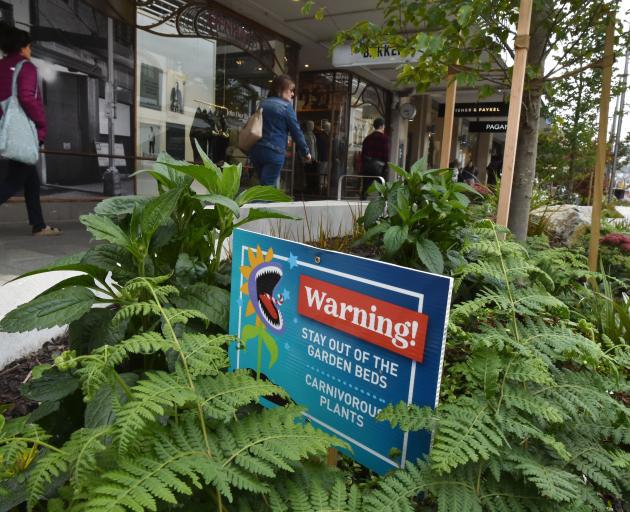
(449, 114)
(514, 114)
(332, 457)
(600, 162)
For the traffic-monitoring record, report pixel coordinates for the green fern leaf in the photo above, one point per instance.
(552, 482)
(394, 492)
(150, 398)
(205, 355)
(223, 395)
(466, 432)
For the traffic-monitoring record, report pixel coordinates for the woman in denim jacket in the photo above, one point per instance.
(279, 120)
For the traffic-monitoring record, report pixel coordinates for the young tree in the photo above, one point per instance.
(468, 37)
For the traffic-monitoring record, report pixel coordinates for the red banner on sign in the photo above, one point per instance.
(381, 323)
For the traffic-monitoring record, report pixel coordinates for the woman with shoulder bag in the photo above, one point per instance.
(16, 45)
(279, 119)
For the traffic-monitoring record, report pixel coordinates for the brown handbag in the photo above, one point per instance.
(252, 132)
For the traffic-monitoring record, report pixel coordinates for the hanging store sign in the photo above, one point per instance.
(491, 109)
(385, 55)
(487, 127)
(342, 342)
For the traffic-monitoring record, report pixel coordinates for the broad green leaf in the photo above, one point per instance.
(212, 301)
(207, 177)
(157, 211)
(103, 228)
(92, 270)
(373, 212)
(464, 14)
(402, 205)
(52, 385)
(44, 409)
(222, 200)
(320, 13)
(263, 213)
(430, 255)
(262, 193)
(230, 180)
(99, 410)
(420, 166)
(394, 238)
(120, 205)
(82, 280)
(462, 198)
(111, 258)
(399, 170)
(59, 307)
(157, 176)
(209, 164)
(377, 229)
(95, 329)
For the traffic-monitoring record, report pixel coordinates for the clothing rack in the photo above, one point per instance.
(211, 104)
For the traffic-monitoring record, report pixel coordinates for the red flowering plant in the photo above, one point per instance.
(621, 240)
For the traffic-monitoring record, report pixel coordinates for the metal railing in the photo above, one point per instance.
(361, 177)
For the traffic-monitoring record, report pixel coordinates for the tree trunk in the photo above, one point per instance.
(527, 146)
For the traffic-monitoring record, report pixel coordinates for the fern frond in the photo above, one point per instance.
(148, 284)
(181, 316)
(313, 489)
(466, 432)
(552, 482)
(599, 466)
(19, 441)
(205, 355)
(409, 418)
(261, 444)
(77, 458)
(223, 395)
(142, 309)
(150, 398)
(97, 368)
(395, 492)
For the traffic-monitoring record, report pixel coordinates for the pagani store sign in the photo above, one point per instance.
(487, 127)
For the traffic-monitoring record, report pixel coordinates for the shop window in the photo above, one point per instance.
(341, 108)
(70, 52)
(206, 84)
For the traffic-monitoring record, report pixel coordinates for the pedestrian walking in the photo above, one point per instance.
(16, 45)
(374, 155)
(279, 120)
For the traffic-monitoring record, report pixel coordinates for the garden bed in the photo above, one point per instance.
(19, 372)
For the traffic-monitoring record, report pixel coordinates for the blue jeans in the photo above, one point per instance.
(267, 164)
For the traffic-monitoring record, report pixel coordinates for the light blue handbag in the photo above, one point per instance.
(18, 134)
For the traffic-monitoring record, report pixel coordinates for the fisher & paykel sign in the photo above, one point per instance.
(491, 109)
(344, 336)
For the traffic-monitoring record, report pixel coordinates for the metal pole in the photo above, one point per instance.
(111, 177)
(611, 140)
(600, 162)
(622, 105)
(521, 45)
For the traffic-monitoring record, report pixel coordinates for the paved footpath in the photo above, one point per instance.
(21, 252)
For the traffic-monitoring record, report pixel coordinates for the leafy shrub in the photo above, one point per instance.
(416, 219)
(531, 417)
